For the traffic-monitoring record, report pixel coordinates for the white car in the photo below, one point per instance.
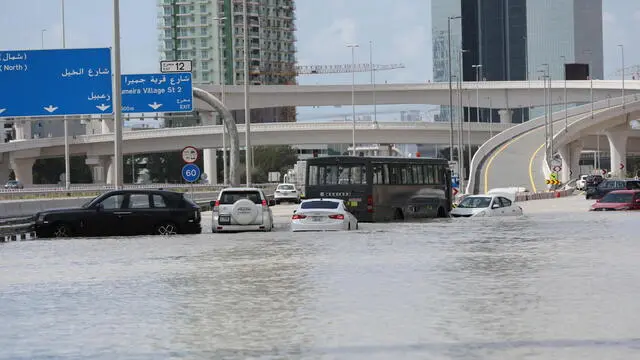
(242, 209)
(486, 205)
(323, 215)
(581, 183)
(286, 193)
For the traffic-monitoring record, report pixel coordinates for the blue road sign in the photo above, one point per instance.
(191, 173)
(455, 182)
(55, 82)
(157, 93)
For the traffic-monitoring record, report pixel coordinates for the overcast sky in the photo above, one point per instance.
(400, 30)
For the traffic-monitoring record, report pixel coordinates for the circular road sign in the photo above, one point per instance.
(189, 154)
(190, 173)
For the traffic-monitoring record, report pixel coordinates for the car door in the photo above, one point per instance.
(105, 221)
(508, 207)
(136, 217)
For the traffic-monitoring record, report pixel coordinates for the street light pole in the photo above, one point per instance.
(247, 109)
(622, 51)
(450, 87)
(225, 169)
(373, 83)
(461, 122)
(490, 117)
(353, 97)
(117, 99)
(67, 154)
(546, 120)
(566, 108)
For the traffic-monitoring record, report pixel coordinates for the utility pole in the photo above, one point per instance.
(247, 108)
(225, 168)
(450, 87)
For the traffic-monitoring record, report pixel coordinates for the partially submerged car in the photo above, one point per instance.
(486, 205)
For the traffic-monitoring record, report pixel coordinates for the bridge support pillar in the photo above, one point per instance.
(23, 169)
(210, 160)
(505, 116)
(3, 133)
(23, 129)
(5, 167)
(99, 167)
(570, 154)
(617, 137)
(106, 126)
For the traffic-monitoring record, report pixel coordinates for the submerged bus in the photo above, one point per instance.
(378, 189)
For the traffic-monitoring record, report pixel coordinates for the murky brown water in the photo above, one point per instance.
(538, 287)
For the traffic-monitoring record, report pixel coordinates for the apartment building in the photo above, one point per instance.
(211, 34)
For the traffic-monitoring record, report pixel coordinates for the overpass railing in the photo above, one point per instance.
(17, 145)
(486, 149)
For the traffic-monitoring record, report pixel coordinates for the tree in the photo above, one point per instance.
(278, 158)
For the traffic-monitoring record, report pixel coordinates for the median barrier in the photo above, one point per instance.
(543, 195)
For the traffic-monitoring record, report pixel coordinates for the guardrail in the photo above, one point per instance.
(543, 195)
(17, 228)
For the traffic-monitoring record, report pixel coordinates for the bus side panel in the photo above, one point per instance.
(448, 190)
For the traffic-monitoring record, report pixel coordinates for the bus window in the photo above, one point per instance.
(438, 174)
(417, 170)
(428, 169)
(385, 173)
(378, 175)
(313, 175)
(340, 175)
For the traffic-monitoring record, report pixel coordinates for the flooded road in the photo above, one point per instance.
(549, 285)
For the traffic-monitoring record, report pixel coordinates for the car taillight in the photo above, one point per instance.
(216, 206)
(337, 217)
(370, 204)
(298, 217)
(264, 203)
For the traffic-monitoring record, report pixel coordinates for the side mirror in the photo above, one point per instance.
(100, 207)
(294, 211)
(272, 202)
(495, 206)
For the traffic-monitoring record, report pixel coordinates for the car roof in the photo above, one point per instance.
(151, 191)
(241, 189)
(323, 199)
(287, 184)
(624, 191)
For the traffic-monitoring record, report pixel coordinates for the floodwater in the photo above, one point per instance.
(549, 285)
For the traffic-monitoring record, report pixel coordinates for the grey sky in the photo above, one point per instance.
(400, 29)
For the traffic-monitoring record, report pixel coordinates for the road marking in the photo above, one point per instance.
(533, 185)
(495, 154)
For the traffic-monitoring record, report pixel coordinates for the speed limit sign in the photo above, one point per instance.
(189, 154)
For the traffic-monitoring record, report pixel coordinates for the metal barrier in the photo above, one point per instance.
(544, 195)
(17, 228)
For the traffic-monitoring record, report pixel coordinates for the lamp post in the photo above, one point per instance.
(373, 84)
(450, 87)
(622, 59)
(117, 100)
(546, 120)
(67, 154)
(247, 110)
(478, 69)
(353, 96)
(528, 77)
(42, 38)
(566, 108)
(461, 122)
(490, 117)
(225, 169)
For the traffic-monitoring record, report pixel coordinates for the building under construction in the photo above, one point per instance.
(211, 34)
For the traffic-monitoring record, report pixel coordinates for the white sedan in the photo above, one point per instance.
(486, 205)
(323, 215)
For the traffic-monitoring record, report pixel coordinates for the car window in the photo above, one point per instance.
(286, 187)
(139, 201)
(319, 204)
(230, 197)
(633, 185)
(113, 202)
(158, 201)
(504, 202)
(617, 198)
(475, 202)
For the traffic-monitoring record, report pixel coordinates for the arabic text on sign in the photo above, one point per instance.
(13, 56)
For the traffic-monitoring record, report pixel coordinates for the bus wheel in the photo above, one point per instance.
(397, 215)
(441, 212)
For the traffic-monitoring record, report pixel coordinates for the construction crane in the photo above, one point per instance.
(632, 71)
(329, 69)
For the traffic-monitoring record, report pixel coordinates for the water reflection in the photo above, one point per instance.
(536, 287)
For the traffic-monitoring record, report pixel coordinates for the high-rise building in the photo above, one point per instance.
(211, 34)
(512, 39)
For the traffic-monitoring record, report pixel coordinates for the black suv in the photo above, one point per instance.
(123, 212)
(608, 185)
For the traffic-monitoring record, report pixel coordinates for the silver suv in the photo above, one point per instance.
(242, 209)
